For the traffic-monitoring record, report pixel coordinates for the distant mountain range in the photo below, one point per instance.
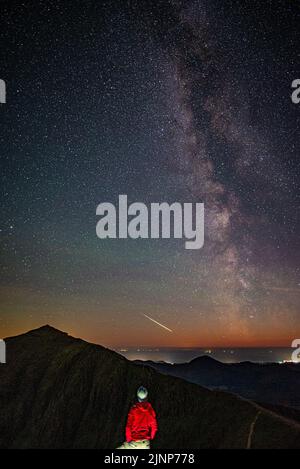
(60, 392)
(270, 383)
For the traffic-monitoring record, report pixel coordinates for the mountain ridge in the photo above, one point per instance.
(62, 392)
(272, 383)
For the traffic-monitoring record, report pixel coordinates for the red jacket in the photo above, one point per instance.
(141, 422)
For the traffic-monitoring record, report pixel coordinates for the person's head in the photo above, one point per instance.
(142, 394)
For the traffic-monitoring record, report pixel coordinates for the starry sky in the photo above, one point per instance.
(186, 101)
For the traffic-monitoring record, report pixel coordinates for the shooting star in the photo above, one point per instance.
(158, 323)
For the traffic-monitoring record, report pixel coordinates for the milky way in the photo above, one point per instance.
(162, 101)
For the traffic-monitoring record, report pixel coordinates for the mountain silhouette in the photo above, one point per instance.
(270, 383)
(62, 392)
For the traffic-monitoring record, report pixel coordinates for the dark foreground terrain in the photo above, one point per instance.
(61, 392)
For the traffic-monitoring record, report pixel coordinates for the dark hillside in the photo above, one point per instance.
(61, 392)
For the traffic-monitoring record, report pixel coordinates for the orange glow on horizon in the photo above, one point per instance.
(160, 339)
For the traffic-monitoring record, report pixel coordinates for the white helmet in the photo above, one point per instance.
(142, 394)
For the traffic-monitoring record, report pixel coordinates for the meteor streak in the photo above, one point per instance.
(158, 323)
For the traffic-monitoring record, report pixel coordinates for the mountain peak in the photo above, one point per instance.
(47, 327)
(47, 330)
(206, 360)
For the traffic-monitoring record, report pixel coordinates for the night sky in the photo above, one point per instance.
(186, 101)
